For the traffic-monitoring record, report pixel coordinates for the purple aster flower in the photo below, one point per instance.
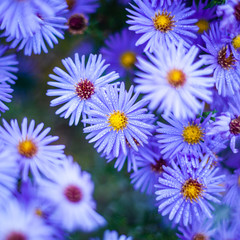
(70, 190)
(82, 6)
(174, 81)
(8, 175)
(198, 230)
(163, 2)
(50, 27)
(7, 65)
(182, 136)
(18, 222)
(231, 15)
(185, 193)
(232, 194)
(226, 230)
(162, 25)
(113, 235)
(5, 96)
(124, 56)
(20, 18)
(150, 164)
(116, 120)
(220, 58)
(31, 147)
(204, 16)
(78, 85)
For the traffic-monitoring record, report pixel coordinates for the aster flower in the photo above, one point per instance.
(50, 27)
(30, 147)
(113, 235)
(82, 6)
(18, 222)
(220, 58)
(197, 230)
(226, 230)
(162, 25)
(232, 195)
(121, 52)
(173, 81)
(204, 16)
(78, 85)
(70, 190)
(5, 96)
(7, 65)
(231, 15)
(116, 120)
(150, 164)
(20, 18)
(227, 125)
(182, 136)
(8, 175)
(185, 193)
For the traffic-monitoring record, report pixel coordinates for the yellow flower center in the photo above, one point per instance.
(226, 62)
(176, 78)
(39, 212)
(27, 148)
(192, 189)
(163, 21)
(203, 25)
(192, 134)
(128, 59)
(236, 42)
(199, 236)
(117, 120)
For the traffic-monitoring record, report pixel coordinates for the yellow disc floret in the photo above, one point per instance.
(128, 59)
(39, 212)
(199, 236)
(117, 120)
(203, 25)
(236, 42)
(27, 148)
(192, 134)
(176, 78)
(192, 189)
(163, 21)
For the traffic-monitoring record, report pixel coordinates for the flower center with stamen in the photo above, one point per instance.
(158, 166)
(77, 23)
(224, 61)
(176, 78)
(128, 59)
(27, 148)
(236, 42)
(16, 236)
(71, 4)
(199, 236)
(234, 126)
(85, 89)
(237, 11)
(163, 21)
(203, 25)
(117, 120)
(73, 194)
(192, 189)
(39, 212)
(192, 134)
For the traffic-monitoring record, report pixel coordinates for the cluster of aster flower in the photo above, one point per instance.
(183, 58)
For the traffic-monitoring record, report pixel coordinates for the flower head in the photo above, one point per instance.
(69, 190)
(220, 58)
(77, 87)
(50, 26)
(173, 82)
(30, 147)
(121, 52)
(184, 192)
(162, 25)
(116, 120)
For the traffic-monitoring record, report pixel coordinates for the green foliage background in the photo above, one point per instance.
(127, 211)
